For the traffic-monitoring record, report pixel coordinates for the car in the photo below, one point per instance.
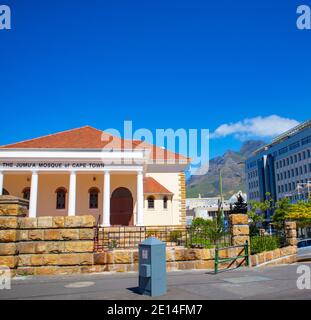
(304, 243)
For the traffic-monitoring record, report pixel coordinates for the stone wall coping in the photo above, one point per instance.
(13, 200)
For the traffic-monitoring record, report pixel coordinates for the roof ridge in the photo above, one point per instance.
(49, 135)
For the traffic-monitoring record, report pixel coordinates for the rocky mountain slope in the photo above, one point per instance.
(232, 173)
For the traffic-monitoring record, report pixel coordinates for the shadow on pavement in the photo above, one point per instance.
(134, 290)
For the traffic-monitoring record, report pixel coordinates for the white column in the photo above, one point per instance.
(72, 194)
(140, 199)
(1, 182)
(106, 199)
(33, 195)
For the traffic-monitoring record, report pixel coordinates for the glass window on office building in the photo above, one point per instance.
(294, 145)
(306, 140)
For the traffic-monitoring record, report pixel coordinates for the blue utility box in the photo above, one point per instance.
(152, 267)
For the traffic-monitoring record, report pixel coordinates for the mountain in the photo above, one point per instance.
(233, 174)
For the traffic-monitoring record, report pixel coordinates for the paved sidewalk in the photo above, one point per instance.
(278, 282)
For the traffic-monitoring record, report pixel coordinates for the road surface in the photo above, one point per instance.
(277, 282)
(304, 254)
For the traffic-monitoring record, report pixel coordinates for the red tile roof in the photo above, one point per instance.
(90, 138)
(152, 186)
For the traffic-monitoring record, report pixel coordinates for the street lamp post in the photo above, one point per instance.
(222, 215)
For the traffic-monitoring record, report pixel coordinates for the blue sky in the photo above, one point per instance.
(161, 64)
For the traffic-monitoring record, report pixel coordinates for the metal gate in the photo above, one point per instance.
(243, 254)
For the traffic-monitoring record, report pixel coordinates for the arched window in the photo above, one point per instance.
(26, 193)
(165, 199)
(61, 198)
(150, 202)
(93, 198)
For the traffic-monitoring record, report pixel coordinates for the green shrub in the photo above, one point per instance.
(264, 243)
(175, 236)
(206, 233)
(113, 244)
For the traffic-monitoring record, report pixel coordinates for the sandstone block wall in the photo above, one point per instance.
(49, 245)
(12, 209)
(291, 233)
(177, 258)
(44, 245)
(239, 229)
(187, 259)
(277, 256)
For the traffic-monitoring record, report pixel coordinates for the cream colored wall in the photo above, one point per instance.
(15, 183)
(47, 186)
(84, 183)
(160, 216)
(48, 183)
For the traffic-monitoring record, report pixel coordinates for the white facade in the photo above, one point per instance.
(77, 172)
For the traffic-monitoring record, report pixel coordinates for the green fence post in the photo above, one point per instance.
(216, 260)
(247, 252)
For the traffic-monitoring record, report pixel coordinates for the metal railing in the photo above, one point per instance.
(186, 236)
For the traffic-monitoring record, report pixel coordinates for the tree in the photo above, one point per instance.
(300, 211)
(256, 210)
(240, 206)
(282, 208)
(210, 228)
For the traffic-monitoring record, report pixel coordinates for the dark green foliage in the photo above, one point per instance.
(175, 236)
(240, 206)
(264, 243)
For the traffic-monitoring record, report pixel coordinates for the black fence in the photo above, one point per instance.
(130, 237)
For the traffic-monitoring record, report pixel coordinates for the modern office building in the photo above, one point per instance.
(282, 167)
